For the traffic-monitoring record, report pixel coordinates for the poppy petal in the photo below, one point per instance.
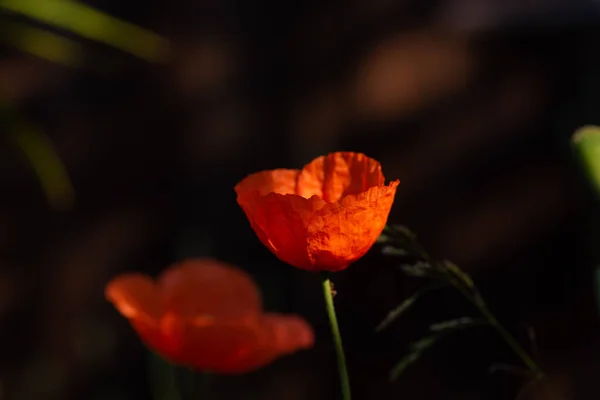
(206, 315)
(135, 296)
(277, 335)
(339, 174)
(220, 348)
(206, 287)
(343, 232)
(165, 343)
(280, 222)
(289, 332)
(282, 181)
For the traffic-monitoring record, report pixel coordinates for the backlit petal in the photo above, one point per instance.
(342, 232)
(339, 174)
(135, 296)
(282, 181)
(340, 208)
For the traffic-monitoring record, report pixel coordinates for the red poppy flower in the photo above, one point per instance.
(207, 315)
(323, 217)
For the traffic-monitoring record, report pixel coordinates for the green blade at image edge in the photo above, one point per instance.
(52, 174)
(39, 151)
(41, 43)
(94, 25)
(586, 143)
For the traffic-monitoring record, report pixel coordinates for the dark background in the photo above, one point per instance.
(470, 103)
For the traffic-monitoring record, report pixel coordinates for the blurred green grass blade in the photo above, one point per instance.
(416, 351)
(92, 24)
(50, 170)
(586, 143)
(41, 43)
(437, 332)
(407, 304)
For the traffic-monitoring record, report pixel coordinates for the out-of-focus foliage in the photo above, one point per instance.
(85, 22)
(39, 151)
(92, 24)
(586, 142)
(41, 43)
(47, 165)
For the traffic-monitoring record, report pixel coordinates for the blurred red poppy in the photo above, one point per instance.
(207, 315)
(323, 217)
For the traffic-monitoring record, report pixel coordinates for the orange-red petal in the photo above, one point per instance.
(280, 223)
(288, 333)
(342, 232)
(164, 342)
(207, 315)
(201, 288)
(136, 297)
(229, 348)
(339, 174)
(340, 207)
(282, 181)
(248, 347)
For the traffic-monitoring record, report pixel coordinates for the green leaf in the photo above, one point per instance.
(404, 231)
(92, 24)
(458, 323)
(586, 143)
(393, 251)
(407, 304)
(52, 174)
(420, 269)
(383, 238)
(439, 330)
(41, 43)
(416, 350)
(459, 273)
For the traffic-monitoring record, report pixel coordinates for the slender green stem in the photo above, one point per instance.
(474, 297)
(337, 339)
(509, 339)
(466, 287)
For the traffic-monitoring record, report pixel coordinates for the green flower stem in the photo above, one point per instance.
(337, 338)
(472, 294)
(510, 340)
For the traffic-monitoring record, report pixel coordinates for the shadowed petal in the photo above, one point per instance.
(280, 222)
(206, 287)
(220, 348)
(277, 335)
